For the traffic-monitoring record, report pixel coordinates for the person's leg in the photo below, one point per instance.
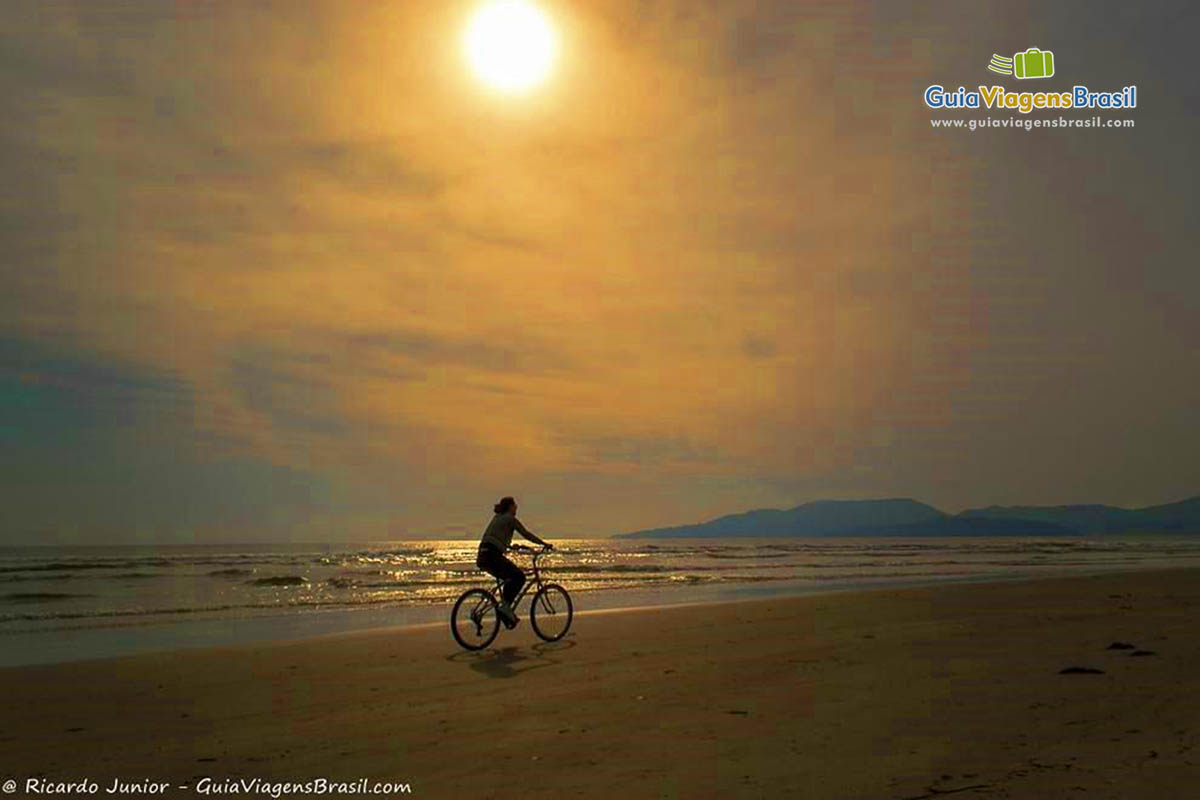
(492, 562)
(514, 579)
(484, 560)
(495, 564)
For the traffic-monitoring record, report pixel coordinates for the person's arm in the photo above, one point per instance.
(527, 534)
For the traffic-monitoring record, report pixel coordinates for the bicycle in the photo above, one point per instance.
(475, 619)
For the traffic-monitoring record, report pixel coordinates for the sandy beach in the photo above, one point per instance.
(881, 694)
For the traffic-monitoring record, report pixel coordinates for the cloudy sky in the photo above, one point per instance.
(289, 271)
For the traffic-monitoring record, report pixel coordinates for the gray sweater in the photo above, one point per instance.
(500, 530)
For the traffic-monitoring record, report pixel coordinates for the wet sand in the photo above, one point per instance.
(900, 693)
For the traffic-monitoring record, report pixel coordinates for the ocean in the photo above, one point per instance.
(69, 603)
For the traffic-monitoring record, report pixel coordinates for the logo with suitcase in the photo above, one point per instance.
(1033, 63)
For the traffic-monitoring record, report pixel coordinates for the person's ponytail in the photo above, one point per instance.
(504, 505)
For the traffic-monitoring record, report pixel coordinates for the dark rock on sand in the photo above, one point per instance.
(1143, 653)
(1080, 671)
(1120, 646)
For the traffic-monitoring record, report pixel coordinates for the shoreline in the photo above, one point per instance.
(890, 693)
(47, 646)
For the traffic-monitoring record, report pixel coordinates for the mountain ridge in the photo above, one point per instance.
(904, 516)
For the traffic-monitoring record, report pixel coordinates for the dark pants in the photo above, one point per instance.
(493, 562)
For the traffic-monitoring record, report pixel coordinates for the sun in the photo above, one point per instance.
(510, 45)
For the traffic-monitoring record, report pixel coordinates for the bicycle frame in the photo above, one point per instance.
(497, 590)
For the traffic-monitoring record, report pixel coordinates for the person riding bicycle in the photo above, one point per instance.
(496, 539)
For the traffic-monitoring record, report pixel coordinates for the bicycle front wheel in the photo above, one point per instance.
(551, 612)
(475, 620)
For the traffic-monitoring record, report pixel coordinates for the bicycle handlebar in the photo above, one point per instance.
(520, 548)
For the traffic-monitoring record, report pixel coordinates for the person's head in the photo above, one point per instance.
(505, 505)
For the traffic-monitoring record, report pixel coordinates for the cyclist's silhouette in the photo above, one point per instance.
(496, 539)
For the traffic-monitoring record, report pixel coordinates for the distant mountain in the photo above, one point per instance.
(906, 517)
(1181, 516)
(822, 518)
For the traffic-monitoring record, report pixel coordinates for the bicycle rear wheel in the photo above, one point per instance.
(551, 612)
(475, 620)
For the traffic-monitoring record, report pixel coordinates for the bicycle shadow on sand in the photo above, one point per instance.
(509, 662)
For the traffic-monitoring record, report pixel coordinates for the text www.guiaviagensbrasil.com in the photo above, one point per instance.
(1018, 123)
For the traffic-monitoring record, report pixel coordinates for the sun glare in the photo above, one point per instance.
(510, 45)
